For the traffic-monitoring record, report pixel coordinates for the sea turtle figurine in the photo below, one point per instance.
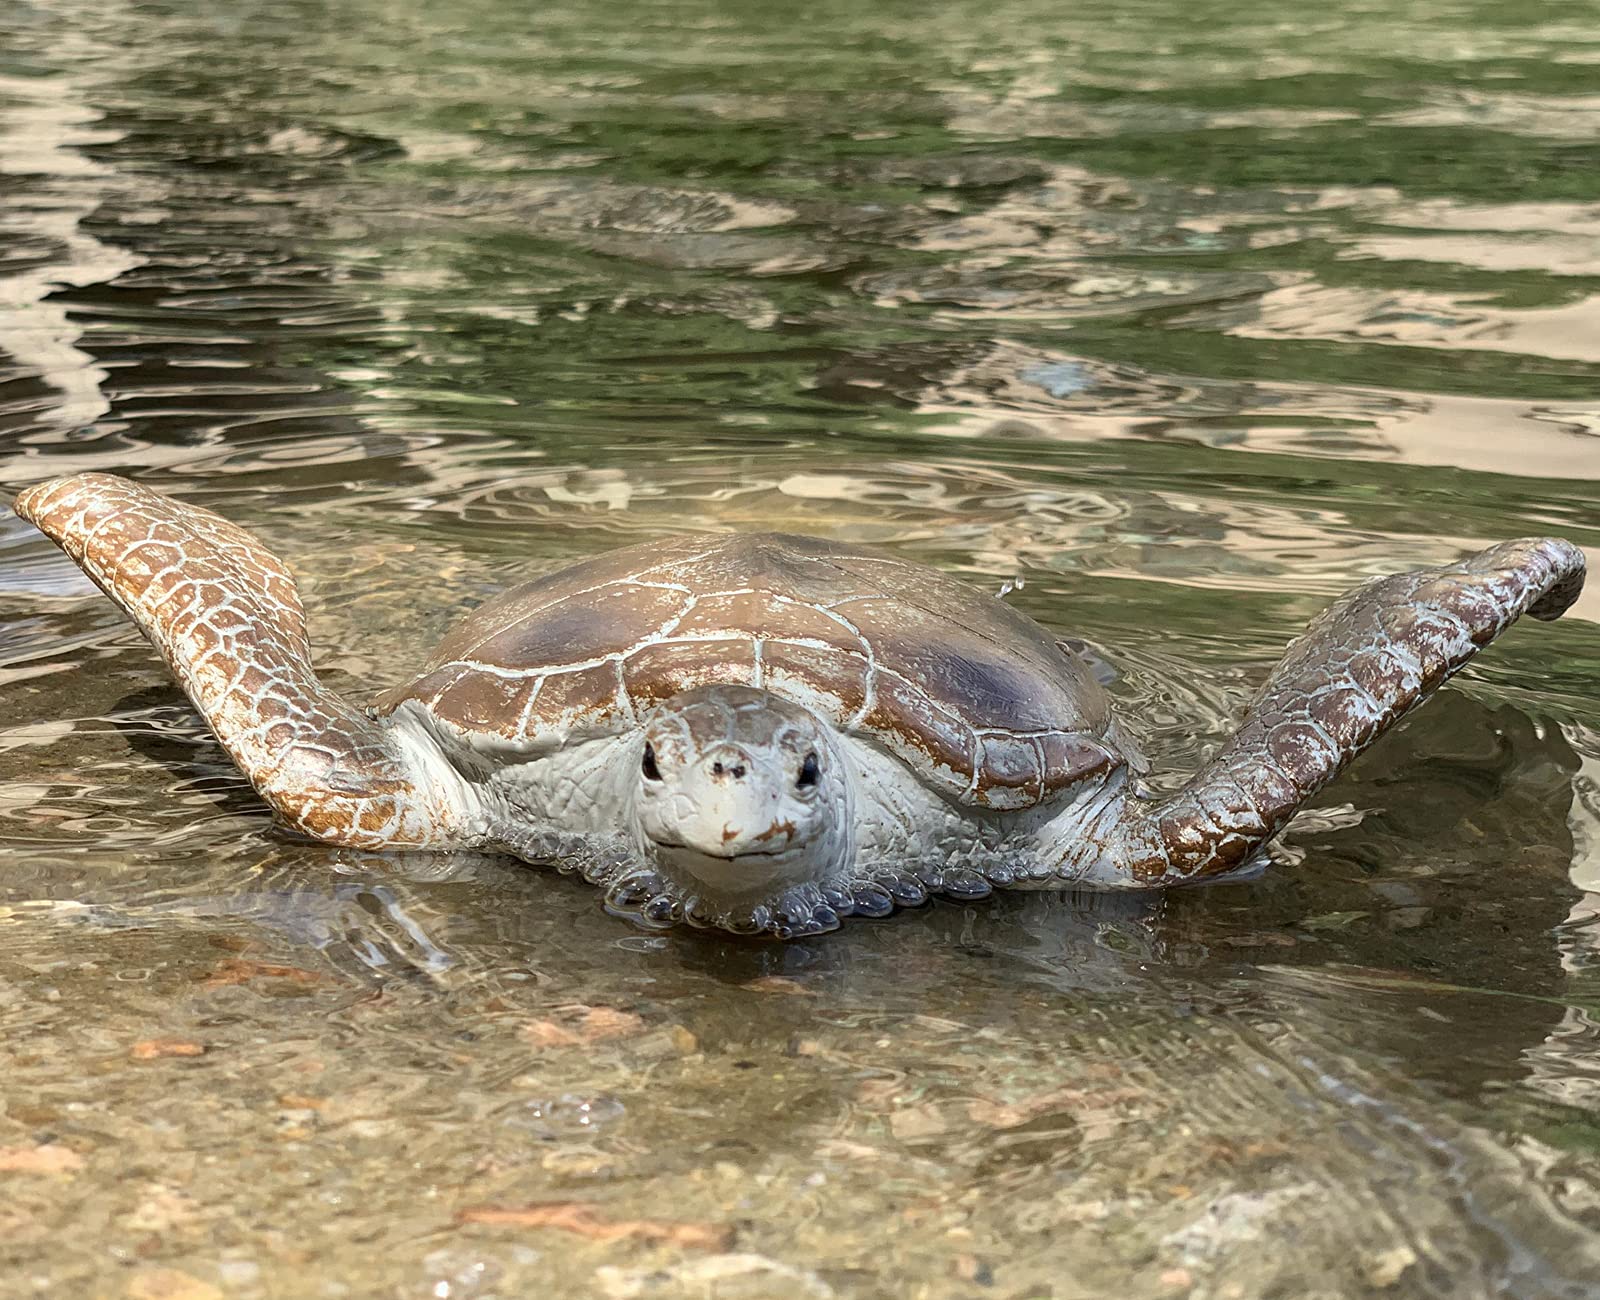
(764, 733)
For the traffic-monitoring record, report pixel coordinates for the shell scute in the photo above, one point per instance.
(1066, 757)
(582, 699)
(607, 620)
(839, 679)
(777, 617)
(1010, 773)
(1005, 677)
(662, 669)
(484, 701)
(919, 730)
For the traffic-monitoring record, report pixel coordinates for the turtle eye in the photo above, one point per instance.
(808, 773)
(648, 767)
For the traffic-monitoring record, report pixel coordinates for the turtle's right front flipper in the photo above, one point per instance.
(1362, 665)
(225, 614)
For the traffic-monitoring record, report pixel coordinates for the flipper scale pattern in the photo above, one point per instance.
(1360, 667)
(225, 613)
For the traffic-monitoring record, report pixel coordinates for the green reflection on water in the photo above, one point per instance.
(1191, 314)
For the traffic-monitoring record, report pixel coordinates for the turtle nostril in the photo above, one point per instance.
(716, 769)
(738, 772)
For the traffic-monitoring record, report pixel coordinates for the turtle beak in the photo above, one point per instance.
(736, 877)
(733, 806)
(726, 827)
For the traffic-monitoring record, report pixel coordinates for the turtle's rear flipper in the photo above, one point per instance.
(225, 613)
(1362, 665)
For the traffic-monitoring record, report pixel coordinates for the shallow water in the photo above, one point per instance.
(1188, 315)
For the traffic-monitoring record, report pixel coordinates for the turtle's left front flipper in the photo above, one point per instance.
(1362, 665)
(225, 613)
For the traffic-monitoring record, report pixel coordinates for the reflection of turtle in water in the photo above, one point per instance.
(764, 732)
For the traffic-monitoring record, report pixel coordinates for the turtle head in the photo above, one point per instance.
(741, 794)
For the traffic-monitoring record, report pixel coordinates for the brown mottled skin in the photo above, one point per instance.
(225, 614)
(1361, 665)
(974, 702)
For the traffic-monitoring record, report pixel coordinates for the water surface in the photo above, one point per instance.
(1186, 315)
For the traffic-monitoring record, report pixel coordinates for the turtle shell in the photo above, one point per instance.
(974, 697)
